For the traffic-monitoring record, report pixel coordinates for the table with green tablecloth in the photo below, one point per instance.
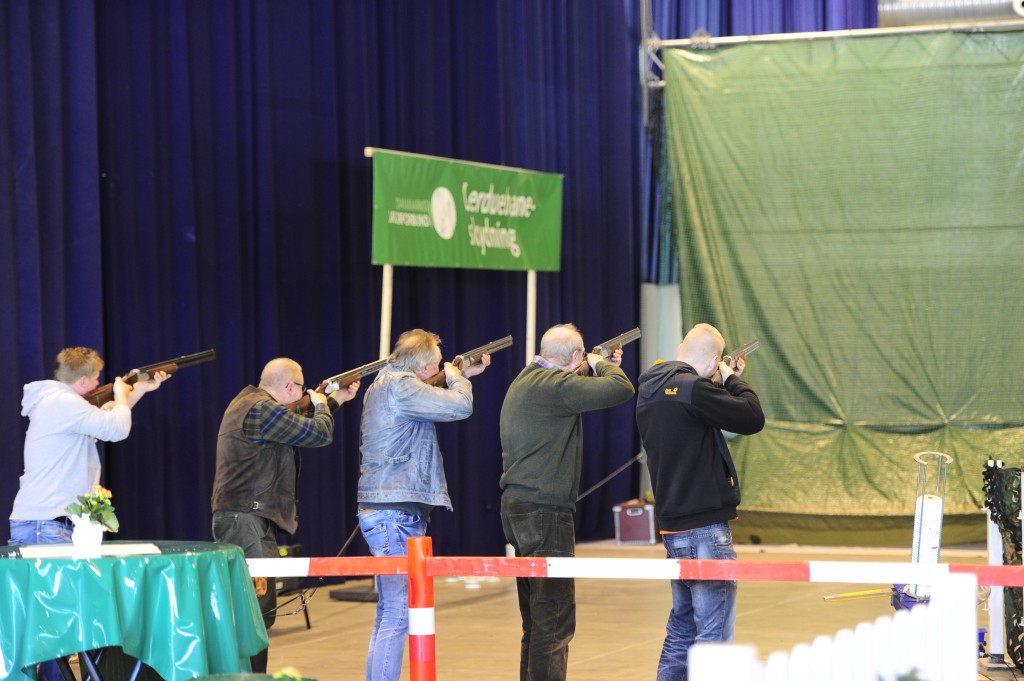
(186, 609)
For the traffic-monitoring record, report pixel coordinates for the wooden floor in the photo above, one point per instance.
(620, 623)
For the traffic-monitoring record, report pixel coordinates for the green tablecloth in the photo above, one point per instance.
(189, 611)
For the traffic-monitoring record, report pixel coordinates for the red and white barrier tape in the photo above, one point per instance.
(639, 568)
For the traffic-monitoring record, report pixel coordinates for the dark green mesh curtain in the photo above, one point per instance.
(857, 204)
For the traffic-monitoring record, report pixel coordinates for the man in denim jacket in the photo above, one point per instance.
(402, 473)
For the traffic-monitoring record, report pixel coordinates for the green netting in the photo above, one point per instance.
(857, 205)
(1002, 499)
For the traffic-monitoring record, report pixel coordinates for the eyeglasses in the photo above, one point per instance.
(302, 388)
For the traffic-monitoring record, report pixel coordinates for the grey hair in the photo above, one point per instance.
(559, 342)
(416, 349)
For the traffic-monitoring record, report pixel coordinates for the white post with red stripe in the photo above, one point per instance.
(422, 657)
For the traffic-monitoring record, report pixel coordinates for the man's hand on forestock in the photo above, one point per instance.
(347, 393)
(478, 367)
(152, 384)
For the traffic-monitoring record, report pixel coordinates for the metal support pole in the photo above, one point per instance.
(531, 315)
(386, 293)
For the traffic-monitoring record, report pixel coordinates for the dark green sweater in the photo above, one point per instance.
(542, 451)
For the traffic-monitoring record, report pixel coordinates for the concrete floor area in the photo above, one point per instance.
(620, 623)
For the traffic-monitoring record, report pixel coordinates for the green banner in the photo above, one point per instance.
(437, 212)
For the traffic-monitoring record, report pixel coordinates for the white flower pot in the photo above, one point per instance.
(87, 535)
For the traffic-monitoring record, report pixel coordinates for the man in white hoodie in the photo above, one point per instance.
(61, 459)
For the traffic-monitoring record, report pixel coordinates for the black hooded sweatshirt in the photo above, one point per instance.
(681, 417)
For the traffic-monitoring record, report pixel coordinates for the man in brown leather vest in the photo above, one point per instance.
(254, 490)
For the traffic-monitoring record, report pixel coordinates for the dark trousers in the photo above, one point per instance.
(547, 606)
(257, 538)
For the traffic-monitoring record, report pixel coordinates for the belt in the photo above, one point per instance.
(63, 519)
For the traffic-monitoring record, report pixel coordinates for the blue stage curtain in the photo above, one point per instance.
(176, 176)
(179, 175)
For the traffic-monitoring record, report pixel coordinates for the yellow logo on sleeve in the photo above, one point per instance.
(671, 391)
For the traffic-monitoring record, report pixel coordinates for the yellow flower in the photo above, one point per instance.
(96, 506)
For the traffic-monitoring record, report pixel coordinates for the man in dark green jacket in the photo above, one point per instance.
(542, 456)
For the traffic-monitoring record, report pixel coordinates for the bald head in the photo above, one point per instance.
(702, 349)
(559, 343)
(278, 375)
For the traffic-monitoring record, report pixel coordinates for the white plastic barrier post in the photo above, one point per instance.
(842, 656)
(955, 596)
(881, 634)
(776, 667)
(863, 653)
(821, 656)
(918, 636)
(900, 635)
(717, 661)
(800, 663)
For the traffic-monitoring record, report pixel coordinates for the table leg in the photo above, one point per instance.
(65, 669)
(85, 660)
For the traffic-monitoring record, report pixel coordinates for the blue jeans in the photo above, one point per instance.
(387, 531)
(701, 610)
(547, 605)
(27, 532)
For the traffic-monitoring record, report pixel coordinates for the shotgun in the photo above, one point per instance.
(468, 359)
(105, 393)
(730, 359)
(741, 351)
(304, 405)
(606, 349)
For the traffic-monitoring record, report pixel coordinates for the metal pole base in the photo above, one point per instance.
(359, 594)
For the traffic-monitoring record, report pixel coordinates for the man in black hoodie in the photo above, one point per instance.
(681, 413)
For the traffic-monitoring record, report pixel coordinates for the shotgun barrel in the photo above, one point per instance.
(606, 348)
(304, 405)
(105, 393)
(467, 359)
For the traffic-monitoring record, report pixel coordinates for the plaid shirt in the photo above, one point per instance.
(269, 421)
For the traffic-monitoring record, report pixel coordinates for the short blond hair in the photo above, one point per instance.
(416, 349)
(701, 344)
(74, 362)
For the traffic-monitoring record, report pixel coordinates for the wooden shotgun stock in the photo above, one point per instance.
(105, 393)
(304, 405)
(468, 359)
